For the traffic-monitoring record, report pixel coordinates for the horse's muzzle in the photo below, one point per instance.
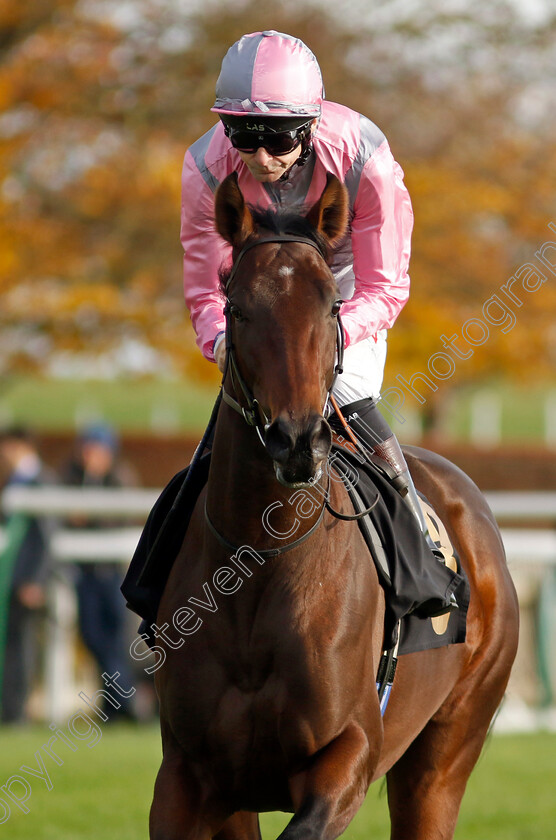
(298, 448)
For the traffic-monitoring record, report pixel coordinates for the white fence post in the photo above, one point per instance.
(550, 419)
(60, 650)
(486, 418)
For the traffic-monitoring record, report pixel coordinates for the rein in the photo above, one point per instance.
(266, 552)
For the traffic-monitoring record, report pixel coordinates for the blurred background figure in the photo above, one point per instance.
(24, 569)
(101, 610)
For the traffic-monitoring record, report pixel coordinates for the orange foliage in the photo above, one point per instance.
(95, 121)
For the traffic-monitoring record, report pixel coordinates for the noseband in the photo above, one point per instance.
(253, 413)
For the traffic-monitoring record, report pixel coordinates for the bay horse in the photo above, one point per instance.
(273, 628)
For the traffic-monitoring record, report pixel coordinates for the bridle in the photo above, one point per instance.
(253, 412)
(255, 415)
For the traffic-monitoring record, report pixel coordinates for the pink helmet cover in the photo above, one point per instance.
(269, 73)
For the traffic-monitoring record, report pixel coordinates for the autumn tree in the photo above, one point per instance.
(99, 102)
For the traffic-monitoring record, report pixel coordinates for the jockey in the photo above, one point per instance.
(281, 136)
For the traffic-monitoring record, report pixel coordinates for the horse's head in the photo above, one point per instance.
(282, 308)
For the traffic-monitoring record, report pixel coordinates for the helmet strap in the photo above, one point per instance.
(306, 149)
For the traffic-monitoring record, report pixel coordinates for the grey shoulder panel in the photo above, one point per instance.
(199, 153)
(371, 138)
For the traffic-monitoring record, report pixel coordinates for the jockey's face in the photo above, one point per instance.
(264, 167)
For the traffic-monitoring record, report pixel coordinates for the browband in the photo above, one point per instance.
(285, 237)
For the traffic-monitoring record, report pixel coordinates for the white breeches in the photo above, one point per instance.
(363, 370)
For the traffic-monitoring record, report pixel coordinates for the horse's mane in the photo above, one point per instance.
(289, 222)
(280, 222)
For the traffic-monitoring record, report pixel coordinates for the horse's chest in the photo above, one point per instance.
(290, 709)
(276, 725)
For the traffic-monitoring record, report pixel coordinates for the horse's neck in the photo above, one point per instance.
(242, 484)
(242, 487)
(240, 478)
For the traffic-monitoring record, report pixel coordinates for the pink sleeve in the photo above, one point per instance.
(204, 253)
(381, 242)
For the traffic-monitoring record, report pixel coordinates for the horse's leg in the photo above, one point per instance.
(175, 812)
(426, 785)
(177, 802)
(240, 826)
(328, 795)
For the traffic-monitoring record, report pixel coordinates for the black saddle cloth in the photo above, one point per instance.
(161, 540)
(416, 584)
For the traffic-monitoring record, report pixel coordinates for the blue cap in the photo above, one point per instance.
(100, 433)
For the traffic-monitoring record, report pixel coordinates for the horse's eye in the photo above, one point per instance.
(235, 312)
(336, 306)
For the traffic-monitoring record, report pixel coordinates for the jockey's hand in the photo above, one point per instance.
(220, 354)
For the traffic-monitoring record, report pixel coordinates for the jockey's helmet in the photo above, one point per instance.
(269, 74)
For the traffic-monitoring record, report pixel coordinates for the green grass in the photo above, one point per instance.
(523, 411)
(100, 791)
(130, 405)
(104, 791)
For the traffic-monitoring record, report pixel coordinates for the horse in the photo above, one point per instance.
(272, 619)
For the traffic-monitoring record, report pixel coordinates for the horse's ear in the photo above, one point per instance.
(233, 218)
(330, 214)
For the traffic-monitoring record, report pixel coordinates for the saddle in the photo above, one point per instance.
(417, 585)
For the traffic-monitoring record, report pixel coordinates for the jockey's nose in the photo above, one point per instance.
(261, 156)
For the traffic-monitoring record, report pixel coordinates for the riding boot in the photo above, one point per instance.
(390, 452)
(383, 448)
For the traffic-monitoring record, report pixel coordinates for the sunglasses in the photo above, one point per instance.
(276, 144)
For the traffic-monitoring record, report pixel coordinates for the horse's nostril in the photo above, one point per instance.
(320, 436)
(280, 441)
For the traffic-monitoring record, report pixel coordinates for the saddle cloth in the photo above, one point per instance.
(416, 584)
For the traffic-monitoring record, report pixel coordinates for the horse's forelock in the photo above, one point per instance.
(289, 222)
